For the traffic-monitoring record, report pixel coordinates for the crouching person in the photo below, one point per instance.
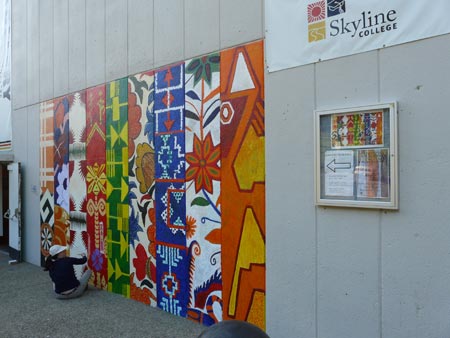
(60, 268)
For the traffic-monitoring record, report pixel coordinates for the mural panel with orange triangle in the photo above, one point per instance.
(243, 183)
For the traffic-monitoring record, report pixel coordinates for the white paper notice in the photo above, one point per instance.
(339, 178)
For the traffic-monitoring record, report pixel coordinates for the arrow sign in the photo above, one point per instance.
(339, 177)
(333, 165)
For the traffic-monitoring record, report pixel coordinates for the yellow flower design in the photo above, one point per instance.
(96, 178)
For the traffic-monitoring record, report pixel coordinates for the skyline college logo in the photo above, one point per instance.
(317, 14)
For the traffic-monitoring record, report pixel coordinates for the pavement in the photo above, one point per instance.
(28, 309)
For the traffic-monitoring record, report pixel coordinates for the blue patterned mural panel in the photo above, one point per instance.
(170, 191)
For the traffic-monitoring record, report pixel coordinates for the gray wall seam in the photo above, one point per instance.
(85, 45)
(380, 273)
(316, 234)
(380, 229)
(184, 30)
(39, 56)
(379, 75)
(53, 46)
(104, 47)
(153, 33)
(26, 48)
(128, 37)
(68, 46)
(220, 30)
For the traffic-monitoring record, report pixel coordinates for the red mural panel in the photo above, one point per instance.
(96, 184)
(243, 183)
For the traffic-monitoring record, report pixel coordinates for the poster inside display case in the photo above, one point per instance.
(356, 157)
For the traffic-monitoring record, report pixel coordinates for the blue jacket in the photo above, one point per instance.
(63, 274)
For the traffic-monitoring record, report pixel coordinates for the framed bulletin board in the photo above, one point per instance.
(356, 157)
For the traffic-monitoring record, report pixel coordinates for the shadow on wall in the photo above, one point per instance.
(159, 177)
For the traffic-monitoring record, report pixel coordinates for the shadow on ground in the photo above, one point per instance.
(29, 309)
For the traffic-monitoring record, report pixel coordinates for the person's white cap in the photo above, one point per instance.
(56, 249)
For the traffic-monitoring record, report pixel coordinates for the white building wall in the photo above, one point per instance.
(352, 273)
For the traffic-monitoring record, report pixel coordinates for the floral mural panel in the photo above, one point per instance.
(243, 183)
(47, 176)
(141, 158)
(96, 185)
(117, 202)
(170, 191)
(203, 215)
(77, 177)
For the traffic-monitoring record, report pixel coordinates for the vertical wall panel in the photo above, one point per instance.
(342, 83)
(96, 184)
(168, 32)
(141, 157)
(77, 45)
(32, 52)
(415, 241)
(45, 49)
(289, 173)
(95, 43)
(117, 186)
(140, 36)
(30, 184)
(18, 55)
(240, 22)
(46, 177)
(347, 242)
(61, 47)
(203, 218)
(61, 232)
(348, 265)
(77, 177)
(116, 46)
(243, 183)
(201, 27)
(170, 191)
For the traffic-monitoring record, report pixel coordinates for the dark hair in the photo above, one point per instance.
(49, 260)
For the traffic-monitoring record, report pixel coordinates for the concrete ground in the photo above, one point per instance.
(29, 309)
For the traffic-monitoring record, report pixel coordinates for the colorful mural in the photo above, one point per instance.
(161, 179)
(117, 186)
(96, 185)
(170, 191)
(77, 177)
(141, 157)
(61, 232)
(46, 175)
(243, 183)
(203, 220)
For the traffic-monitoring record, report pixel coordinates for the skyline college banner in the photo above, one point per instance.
(300, 32)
